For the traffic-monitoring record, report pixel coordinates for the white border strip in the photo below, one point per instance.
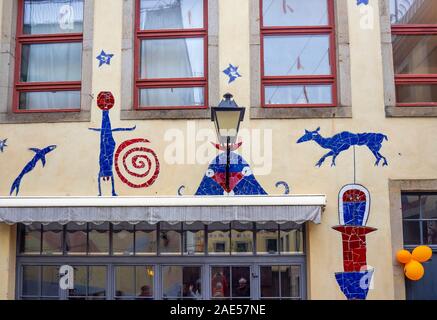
(61, 202)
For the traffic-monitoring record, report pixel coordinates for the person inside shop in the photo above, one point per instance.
(242, 290)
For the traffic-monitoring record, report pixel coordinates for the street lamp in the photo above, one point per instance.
(227, 117)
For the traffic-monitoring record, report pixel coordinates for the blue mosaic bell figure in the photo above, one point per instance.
(241, 182)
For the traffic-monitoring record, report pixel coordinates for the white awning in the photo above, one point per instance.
(279, 209)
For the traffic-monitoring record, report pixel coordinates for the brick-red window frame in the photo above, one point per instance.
(304, 79)
(169, 82)
(22, 39)
(414, 79)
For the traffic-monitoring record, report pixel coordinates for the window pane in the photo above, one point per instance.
(170, 239)
(220, 282)
(172, 97)
(76, 239)
(124, 282)
(194, 238)
(413, 12)
(421, 93)
(50, 281)
(412, 233)
(144, 282)
(296, 55)
(270, 282)
(181, 282)
(430, 232)
(52, 239)
(31, 239)
(291, 239)
(242, 238)
(298, 94)
(51, 62)
(31, 281)
(171, 14)
(290, 281)
(410, 206)
(241, 282)
(55, 16)
(267, 238)
(415, 54)
(145, 239)
(49, 100)
(172, 58)
(98, 239)
(123, 239)
(97, 282)
(219, 238)
(429, 206)
(80, 282)
(295, 13)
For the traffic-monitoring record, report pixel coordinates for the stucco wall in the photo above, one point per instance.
(411, 150)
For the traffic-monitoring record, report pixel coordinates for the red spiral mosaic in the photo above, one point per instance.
(136, 165)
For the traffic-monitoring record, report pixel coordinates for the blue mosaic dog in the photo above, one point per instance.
(343, 141)
(105, 101)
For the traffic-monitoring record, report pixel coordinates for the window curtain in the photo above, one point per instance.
(169, 58)
(52, 62)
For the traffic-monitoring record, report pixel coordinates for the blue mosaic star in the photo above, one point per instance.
(3, 145)
(365, 2)
(232, 73)
(104, 58)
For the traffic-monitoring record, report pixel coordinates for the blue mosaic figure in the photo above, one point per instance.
(354, 285)
(343, 141)
(105, 101)
(365, 2)
(40, 155)
(242, 181)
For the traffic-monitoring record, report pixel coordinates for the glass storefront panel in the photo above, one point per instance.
(242, 238)
(145, 239)
(98, 239)
(170, 239)
(219, 241)
(52, 239)
(181, 282)
(194, 239)
(76, 239)
(123, 239)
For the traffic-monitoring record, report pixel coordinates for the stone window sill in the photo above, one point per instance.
(166, 114)
(300, 113)
(53, 117)
(410, 112)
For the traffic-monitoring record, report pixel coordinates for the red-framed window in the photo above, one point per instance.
(48, 64)
(171, 54)
(414, 38)
(298, 59)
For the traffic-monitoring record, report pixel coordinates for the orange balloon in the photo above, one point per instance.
(422, 253)
(414, 270)
(403, 256)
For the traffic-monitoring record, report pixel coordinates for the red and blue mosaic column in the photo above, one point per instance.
(354, 207)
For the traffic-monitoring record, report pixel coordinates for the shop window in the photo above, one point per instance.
(171, 59)
(413, 27)
(170, 239)
(49, 56)
(123, 239)
(194, 238)
(298, 66)
(30, 239)
(98, 239)
(230, 282)
(267, 236)
(90, 283)
(52, 239)
(134, 282)
(76, 239)
(40, 283)
(242, 238)
(280, 282)
(181, 283)
(219, 238)
(419, 213)
(291, 239)
(145, 239)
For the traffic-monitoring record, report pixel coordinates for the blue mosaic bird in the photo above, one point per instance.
(105, 102)
(40, 155)
(242, 181)
(3, 145)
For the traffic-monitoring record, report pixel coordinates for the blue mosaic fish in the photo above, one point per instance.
(242, 181)
(40, 155)
(343, 141)
(107, 148)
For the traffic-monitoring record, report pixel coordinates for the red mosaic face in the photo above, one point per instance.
(105, 100)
